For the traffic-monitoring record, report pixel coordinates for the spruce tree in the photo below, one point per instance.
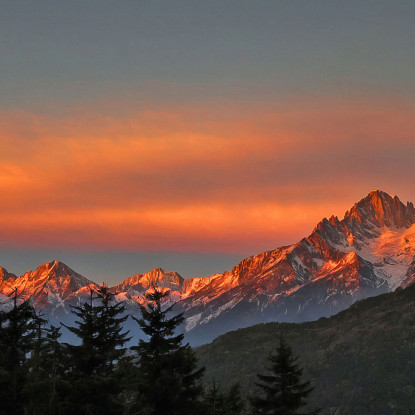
(110, 336)
(17, 333)
(84, 357)
(168, 380)
(46, 388)
(284, 391)
(223, 403)
(35, 375)
(214, 400)
(54, 360)
(233, 402)
(94, 386)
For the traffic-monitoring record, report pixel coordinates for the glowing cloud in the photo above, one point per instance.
(188, 180)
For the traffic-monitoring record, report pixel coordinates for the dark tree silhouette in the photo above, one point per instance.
(233, 402)
(46, 388)
(17, 334)
(284, 391)
(168, 381)
(223, 403)
(94, 384)
(214, 400)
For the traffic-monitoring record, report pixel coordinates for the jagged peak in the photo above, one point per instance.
(377, 209)
(158, 270)
(55, 270)
(3, 270)
(5, 275)
(381, 209)
(55, 265)
(156, 275)
(334, 220)
(375, 197)
(378, 193)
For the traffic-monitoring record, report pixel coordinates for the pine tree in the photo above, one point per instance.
(17, 333)
(126, 378)
(35, 375)
(55, 360)
(94, 386)
(214, 400)
(46, 388)
(110, 336)
(168, 379)
(233, 403)
(223, 403)
(84, 357)
(284, 390)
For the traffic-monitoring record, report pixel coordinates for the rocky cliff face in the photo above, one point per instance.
(158, 276)
(367, 220)
(53, 286)
(6, 277)
(132, 289)
(370, 251)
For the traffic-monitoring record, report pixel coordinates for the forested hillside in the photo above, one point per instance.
(361, 361)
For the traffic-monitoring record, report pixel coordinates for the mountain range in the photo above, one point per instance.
(369, 252)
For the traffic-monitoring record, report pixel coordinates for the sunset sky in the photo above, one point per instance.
(191, 134)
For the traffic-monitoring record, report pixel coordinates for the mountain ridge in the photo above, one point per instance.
(369, 252)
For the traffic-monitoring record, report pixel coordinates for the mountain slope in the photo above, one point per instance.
(53, 286)
(361, 361)
(132, 289)
(369, 252)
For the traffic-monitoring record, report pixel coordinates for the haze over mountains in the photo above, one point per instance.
(369, 252)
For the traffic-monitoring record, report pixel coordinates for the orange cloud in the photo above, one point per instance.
(232, 179)
(197, 228)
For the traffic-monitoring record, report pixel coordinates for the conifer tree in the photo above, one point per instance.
(214, 400)
(110, 335)
(284, 390)
(46, 388)
(224, 403)
(17, 333)
(92, 371)
(168, 380)
(126, 378)
(84, 357)
(233, 402)
(35, 375)
(55, 360)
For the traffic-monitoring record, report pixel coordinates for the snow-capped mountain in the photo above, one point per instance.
(53, 286)
(133, 288)
(369, 252)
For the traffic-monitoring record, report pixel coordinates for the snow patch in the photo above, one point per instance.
(192, 321)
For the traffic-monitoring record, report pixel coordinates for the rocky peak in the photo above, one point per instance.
(157, 272)
(52, 277)
(159, 276)
(53, 268)
(52, 282)
(56, 270)
(380, 209)
(6, 276)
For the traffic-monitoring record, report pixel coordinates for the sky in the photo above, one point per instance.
(192, 134)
